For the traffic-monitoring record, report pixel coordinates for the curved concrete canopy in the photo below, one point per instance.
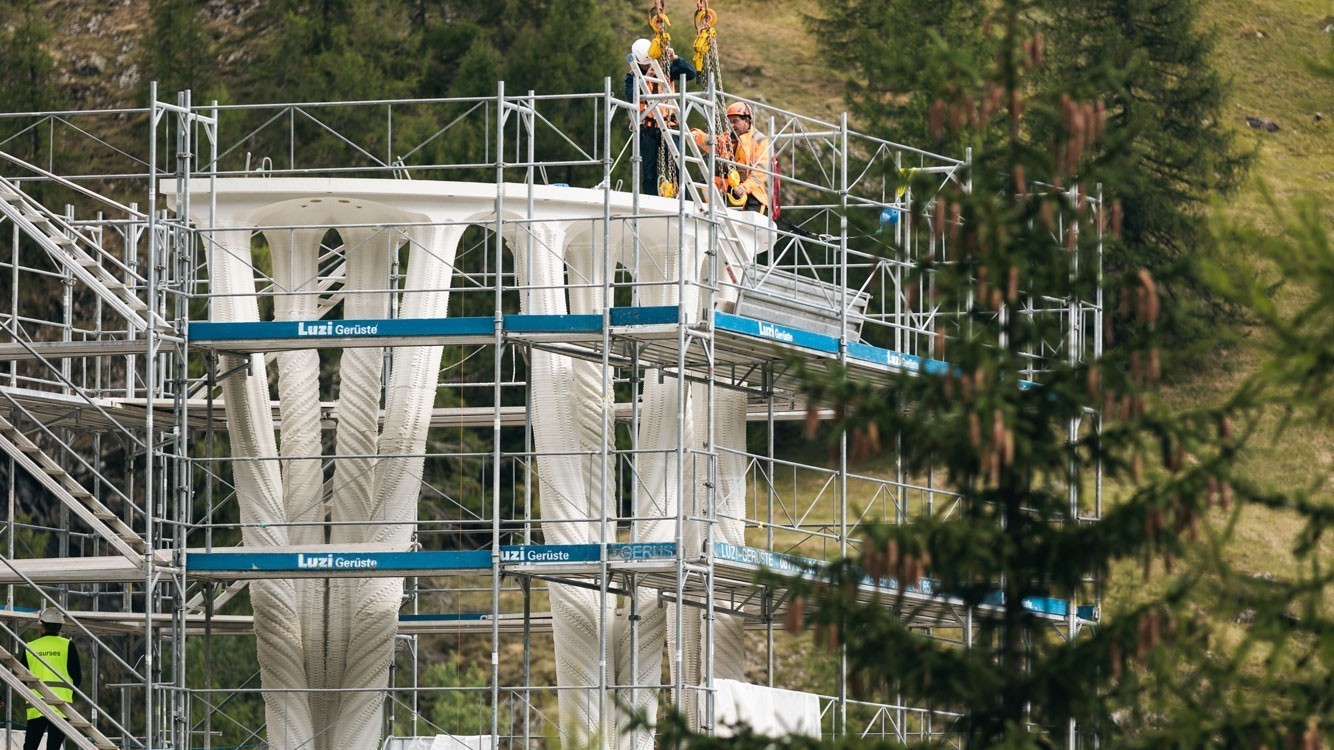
(557, 237)
(317, 201)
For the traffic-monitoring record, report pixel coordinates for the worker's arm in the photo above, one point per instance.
(630, 87)
(682, 67)
(75, 669)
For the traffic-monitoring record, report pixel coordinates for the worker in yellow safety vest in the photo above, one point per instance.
(54, 661)
(751, 148)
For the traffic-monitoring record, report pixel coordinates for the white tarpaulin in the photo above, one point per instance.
(768, 711)
(440, 742)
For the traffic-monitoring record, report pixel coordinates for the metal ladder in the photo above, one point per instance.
(60, 483)
(76, 728)
(699, 194)
(67, 248)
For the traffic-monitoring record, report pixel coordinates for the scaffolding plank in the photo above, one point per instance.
(12, 351)
(104, 569)
(111, 413)
(735, 568)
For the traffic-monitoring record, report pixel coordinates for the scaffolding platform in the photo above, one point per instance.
(653, 565)
(199, 624)
(96, 413)
(648, 333)
(102, 569)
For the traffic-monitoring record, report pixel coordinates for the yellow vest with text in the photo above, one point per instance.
(55, 651)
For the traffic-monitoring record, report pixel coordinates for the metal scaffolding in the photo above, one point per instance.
(110, 378)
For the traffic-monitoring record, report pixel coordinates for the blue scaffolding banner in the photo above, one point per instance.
(645, 316)
(775, 561)
(571, 553)
(774, 332)
(480, 326)
(337, 562)
(550, 553)
(793, 565)
(641, 551)
(341, 329)
(455, 617)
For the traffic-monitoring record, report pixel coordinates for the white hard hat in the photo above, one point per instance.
(51, 616)
(639, 52)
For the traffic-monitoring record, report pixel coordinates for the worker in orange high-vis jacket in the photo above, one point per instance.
(58, 666)
(751, 147)
(650, 134)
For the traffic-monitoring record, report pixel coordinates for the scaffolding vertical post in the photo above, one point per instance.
(608, 406)
(606, 438)
(768, 376)
(150, 392)
(181, 492)
(682, 396)
(497, 372)
(843, 432)
(710, 449)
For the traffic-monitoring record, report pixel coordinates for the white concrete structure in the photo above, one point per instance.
(338, 634)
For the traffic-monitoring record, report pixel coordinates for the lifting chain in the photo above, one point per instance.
(710, 69)
(666, 170)
(706, 37)
(662, 38)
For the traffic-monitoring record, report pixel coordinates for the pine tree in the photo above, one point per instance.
(569, 48)
(1021, 462)
(179, 50)
(1169, 101)
(461, 26)
(888, 49)
(27, 71)
(331, 50)
(352, 50)
(1166, 99)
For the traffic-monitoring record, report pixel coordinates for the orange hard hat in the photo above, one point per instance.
(739, 109)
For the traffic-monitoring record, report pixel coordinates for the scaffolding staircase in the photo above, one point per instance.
(77, 729)
(78, 499)
(81, 257)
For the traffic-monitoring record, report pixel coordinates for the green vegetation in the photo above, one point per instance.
(181, 55)
(1006, 451)
(27, 70)
(27, 76)
(1162, 95)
